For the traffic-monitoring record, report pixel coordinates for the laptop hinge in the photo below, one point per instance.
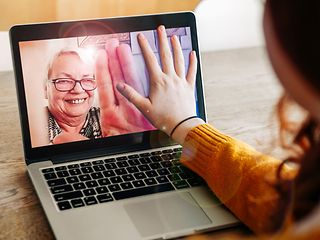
(96, 154)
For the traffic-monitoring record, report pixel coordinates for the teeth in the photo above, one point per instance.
(77, 101)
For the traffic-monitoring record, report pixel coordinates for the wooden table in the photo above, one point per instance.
(241, 91)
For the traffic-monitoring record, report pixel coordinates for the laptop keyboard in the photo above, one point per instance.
(93, 182)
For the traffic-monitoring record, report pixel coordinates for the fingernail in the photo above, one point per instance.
(120, 87)
(141, 36)
(161, 28)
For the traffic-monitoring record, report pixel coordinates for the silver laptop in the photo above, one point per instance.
(105, 180)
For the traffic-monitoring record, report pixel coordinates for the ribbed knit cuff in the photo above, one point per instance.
(200, 145)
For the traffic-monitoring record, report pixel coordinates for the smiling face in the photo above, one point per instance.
(65, 106)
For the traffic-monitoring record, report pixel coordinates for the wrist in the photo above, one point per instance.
(183, 129)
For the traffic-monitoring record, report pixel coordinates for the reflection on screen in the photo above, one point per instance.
(70, 85)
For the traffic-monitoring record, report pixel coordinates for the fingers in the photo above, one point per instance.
(192, 70)
(128, 68)
(114, 66)
(142, 103)
(178, 57)
(104, 81)
(149, 57)
(165, 53)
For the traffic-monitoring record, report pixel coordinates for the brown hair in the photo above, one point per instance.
(296, 25)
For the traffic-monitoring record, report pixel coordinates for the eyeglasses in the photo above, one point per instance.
(67, 84)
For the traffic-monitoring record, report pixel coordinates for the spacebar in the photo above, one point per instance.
(143, 191)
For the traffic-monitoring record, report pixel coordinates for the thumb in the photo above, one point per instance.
(134, 97)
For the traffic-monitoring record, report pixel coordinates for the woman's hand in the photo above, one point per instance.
(172, 93)
(118, 115)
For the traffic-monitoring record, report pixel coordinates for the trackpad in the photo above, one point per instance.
(170, 213)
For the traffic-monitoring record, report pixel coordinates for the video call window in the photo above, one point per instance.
(65, 100)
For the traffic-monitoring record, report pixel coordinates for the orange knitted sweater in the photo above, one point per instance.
(241, 177)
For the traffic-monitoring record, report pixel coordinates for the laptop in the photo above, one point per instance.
(123, 183)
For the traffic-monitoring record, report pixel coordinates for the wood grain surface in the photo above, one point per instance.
(241, 91)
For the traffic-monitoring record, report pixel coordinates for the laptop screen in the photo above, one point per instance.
(66, 73)
(70, 88)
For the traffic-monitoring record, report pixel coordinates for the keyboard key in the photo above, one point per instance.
(50, 175)
(100, 190)
(166, 157)
(77, 203)
(116, 179)
(173, 177)
(133, 169)
(97, 175)
(155, 165)
(98, 168)
(174, 169)
(144, 168)
(104, 198)
(152, 173)
(166, 164)
(61, 189)
(145, 154)
(109, 173)
(150, 181)
(79, 186)
(60, 168)
(72, 166)
(68, 196)
(122, 164)
(133, 162)
(91, 184)
(110, 160)
(167, 151)
(64, 205)
(47, 170)
(128, 177)
(139, 175)
(85, 164)
(180, 184)
(162, 179)
(104, 181)
(90, 200)
(126, 185)
(63, 174)
(87, 169)
(156, 153)
(56, 182)
(176, 155)
(89, 192)
(110, 166)
(121, 171)
(133, 156)
(138, 183)
(72, 179)
(114, 188)
(155, 159)
(121, 158)
(143, 191)
(177, 149)
(184, 175)
(97, 162)
(163, 171)
(84, 177)
(145, 160)
(176, 162)
(75, 171)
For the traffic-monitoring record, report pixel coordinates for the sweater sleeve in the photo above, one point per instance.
(241, 177)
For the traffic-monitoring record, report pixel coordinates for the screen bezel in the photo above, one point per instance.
(109, 145)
